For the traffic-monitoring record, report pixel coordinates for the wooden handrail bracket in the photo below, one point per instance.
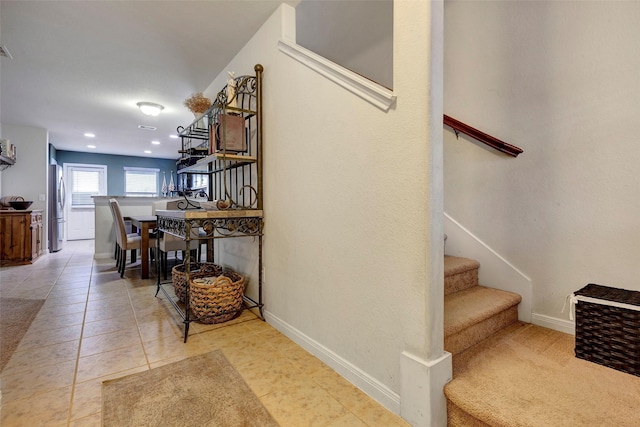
(474, 133)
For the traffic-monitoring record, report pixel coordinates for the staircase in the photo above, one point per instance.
(472, 313)
(509, 373)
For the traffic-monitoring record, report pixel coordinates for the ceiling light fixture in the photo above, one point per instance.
(155, 142)
(90, 135)
(145, 127)
(147, 151)
(91, 146)
(150, 108)
(173, 136)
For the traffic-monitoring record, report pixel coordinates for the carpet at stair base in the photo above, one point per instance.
(456, 417)
(475, 333)
(473, 314)
(526, 375)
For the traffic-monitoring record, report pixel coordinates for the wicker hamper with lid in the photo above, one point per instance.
(608, 327)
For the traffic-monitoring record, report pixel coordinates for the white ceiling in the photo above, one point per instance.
(81, 66)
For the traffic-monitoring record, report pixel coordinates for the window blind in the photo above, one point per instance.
(141, 182)
(85, 184)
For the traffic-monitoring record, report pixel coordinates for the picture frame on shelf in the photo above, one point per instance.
(228, 134)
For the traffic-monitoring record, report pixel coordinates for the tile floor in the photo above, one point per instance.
(95, 326)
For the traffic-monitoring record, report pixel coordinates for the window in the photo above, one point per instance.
(86, 181)
(141, 182)
(199, 182)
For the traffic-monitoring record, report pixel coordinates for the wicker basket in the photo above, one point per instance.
(608, 327)
(217, 299)
(179, 276)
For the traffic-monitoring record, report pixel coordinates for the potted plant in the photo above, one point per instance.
(198, 104)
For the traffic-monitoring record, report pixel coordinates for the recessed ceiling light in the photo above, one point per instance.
(91, 146)
(145, 127)
(90, 135)
(150, 108)
(173, 136)
(147, 151)
(155, 142)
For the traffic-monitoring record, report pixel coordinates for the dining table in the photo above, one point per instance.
(143, 224)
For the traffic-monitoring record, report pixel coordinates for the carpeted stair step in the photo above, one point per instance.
(459, 274)
(473, 314)
(528, 376)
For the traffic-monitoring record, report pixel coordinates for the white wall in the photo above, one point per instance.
(560, 80)
(1, 61)
(1, 135)
(355, 34)
(349, 211)
(28, 176)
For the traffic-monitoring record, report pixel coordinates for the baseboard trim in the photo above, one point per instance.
(372, 387)
(554, 323)
(103, 255)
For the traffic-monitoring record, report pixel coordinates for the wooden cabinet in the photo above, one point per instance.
(21, 236)
(37, 234)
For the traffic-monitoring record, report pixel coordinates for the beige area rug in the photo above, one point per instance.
(526, 375)
(16, 315)
(199, 391)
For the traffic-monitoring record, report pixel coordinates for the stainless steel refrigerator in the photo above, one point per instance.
(57, 195)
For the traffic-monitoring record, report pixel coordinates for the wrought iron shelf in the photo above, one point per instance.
(212, 224)
(202, 165)
(202, 136)
(6, 162)
(234, 177)
(245, 112)
(199, 128)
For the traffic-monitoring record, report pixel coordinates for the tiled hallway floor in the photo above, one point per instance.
(95, 326)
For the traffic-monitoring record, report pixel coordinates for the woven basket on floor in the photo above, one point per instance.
(217, 299)
(198, 269)
(608, 327)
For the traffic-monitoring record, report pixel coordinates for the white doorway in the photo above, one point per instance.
(83, 182)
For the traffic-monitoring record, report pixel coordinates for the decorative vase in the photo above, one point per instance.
(164, 184)
(201, 120)
(172, 186)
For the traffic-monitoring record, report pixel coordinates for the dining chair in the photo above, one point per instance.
(117, 253)
(126, 241)
(117, 245)
(170, 243)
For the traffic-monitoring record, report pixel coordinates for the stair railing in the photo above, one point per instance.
(459, 127)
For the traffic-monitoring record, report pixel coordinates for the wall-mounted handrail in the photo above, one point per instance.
(474, 133)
